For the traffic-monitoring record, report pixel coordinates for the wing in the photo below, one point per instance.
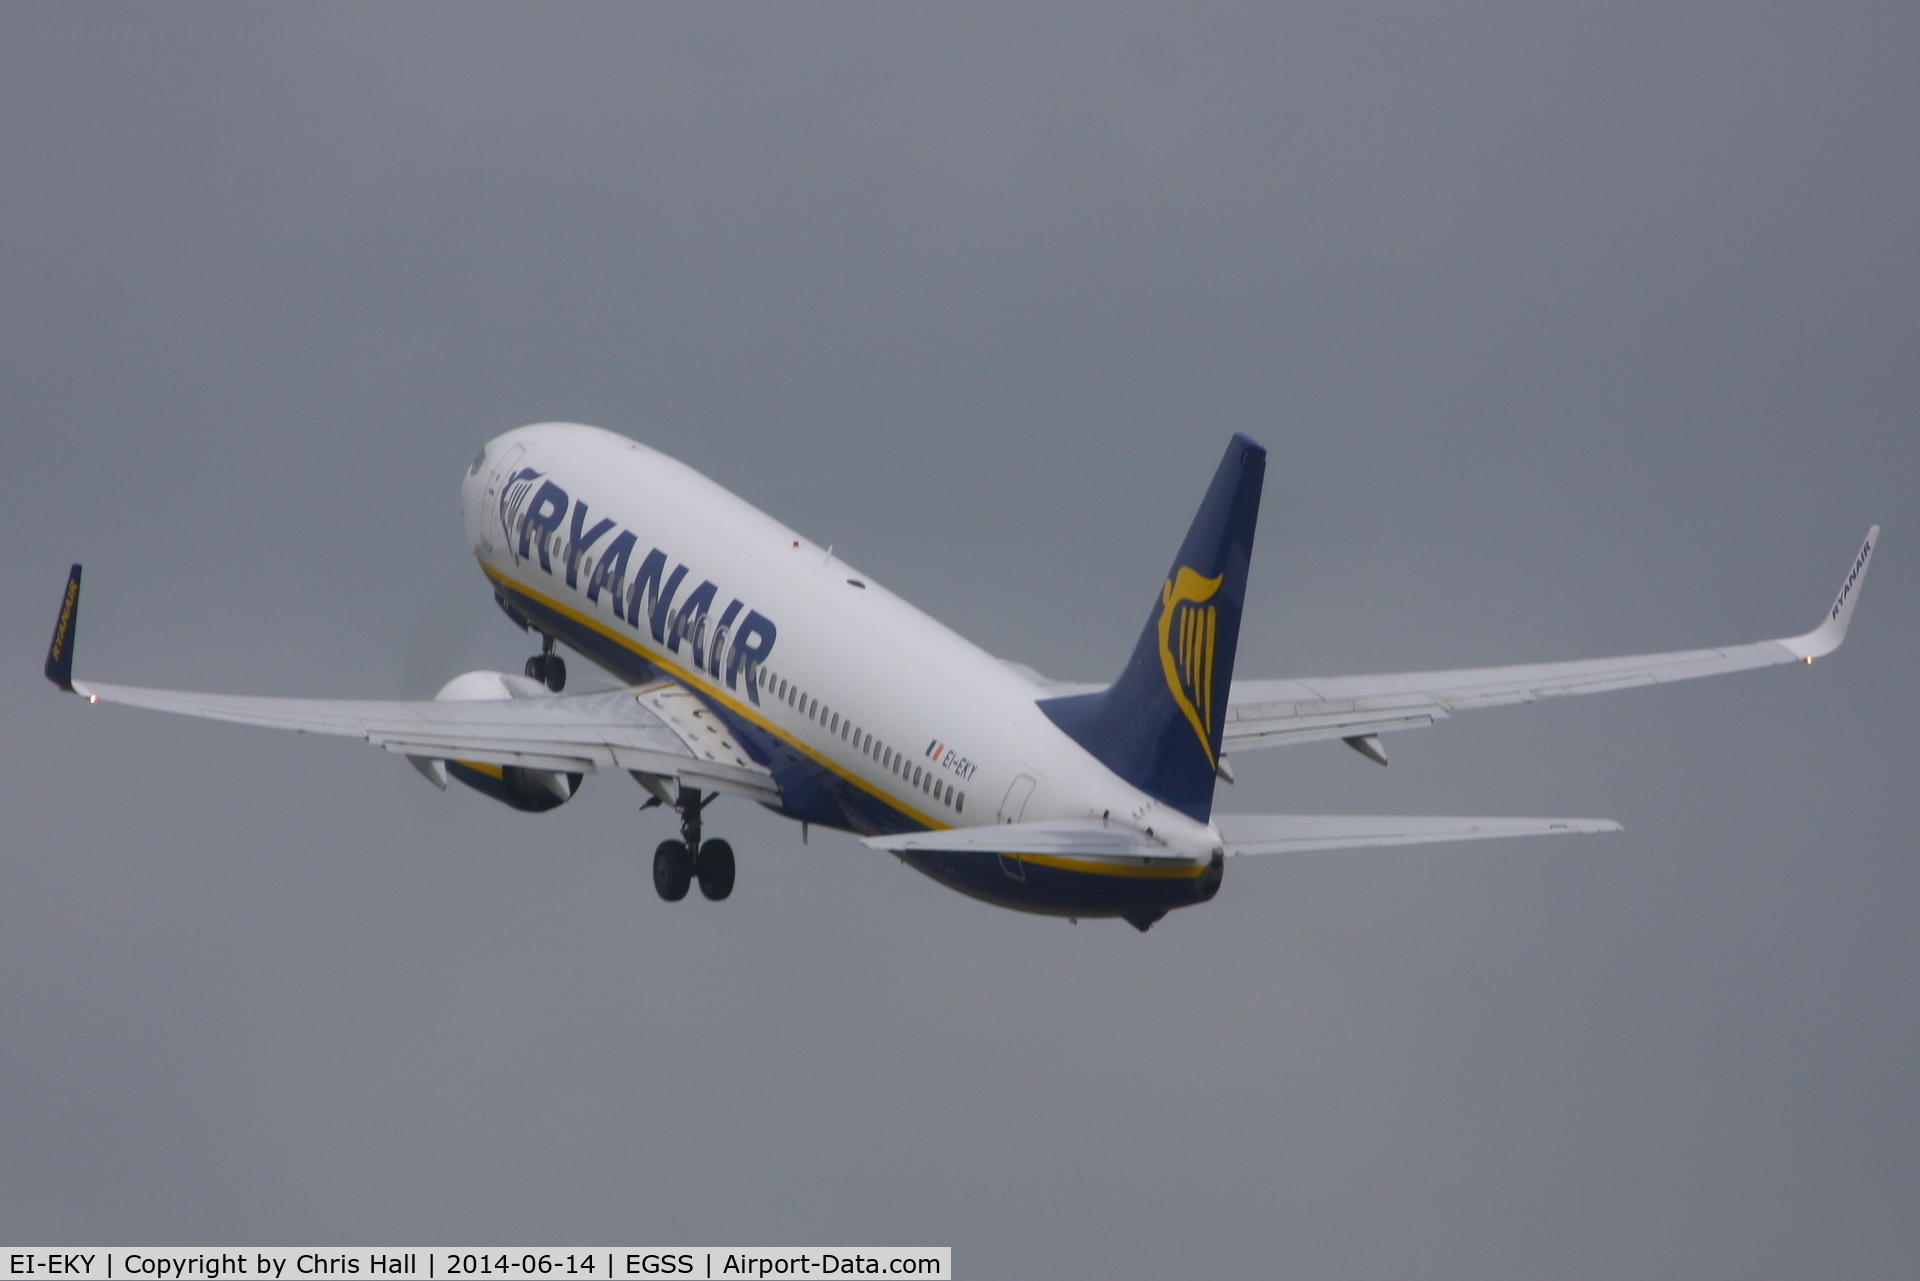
(659, 730)
(1268, 713)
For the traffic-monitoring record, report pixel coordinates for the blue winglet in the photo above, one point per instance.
(59, 668)
(1159, 725)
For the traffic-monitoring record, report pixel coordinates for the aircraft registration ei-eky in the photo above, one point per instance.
(756, 664)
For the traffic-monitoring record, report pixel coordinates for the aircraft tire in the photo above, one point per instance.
(549, 669)
(715, 869)
(672, 871)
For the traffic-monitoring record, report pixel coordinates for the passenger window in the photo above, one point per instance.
(960, 802)
(834, 728)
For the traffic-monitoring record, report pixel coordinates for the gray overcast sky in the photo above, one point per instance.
(1572, 329)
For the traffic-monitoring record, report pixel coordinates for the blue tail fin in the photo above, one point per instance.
(1159, 725)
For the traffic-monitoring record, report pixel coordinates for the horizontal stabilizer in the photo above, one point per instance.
(1294, 833)
(1086, 838)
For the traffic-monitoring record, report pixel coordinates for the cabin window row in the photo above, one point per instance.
(894, 762)
(914, 774)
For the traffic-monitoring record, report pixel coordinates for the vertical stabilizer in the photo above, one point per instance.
(1159, 725)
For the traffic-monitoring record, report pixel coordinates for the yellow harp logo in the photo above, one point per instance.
(1186, 648)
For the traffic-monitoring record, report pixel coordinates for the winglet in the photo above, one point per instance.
(1826, 638)
(60, 653)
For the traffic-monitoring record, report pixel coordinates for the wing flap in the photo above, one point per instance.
(493, 755)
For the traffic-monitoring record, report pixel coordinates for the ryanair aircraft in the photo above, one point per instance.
(754, 663)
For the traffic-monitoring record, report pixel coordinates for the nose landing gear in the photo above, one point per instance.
(677, 864)
(548, 667)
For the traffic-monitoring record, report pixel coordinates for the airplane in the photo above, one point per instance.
(754, 663)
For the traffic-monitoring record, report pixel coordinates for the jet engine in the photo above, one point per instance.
(532, 790)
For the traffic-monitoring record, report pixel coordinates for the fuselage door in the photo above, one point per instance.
(1010, 811)
(1016, 803)
(492, 531)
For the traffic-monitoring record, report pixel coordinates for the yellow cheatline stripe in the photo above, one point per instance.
(705, 686)
(1159, 872)
(480, 767)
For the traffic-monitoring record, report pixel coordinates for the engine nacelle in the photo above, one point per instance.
(532, 790)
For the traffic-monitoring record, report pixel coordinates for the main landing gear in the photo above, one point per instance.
(548, 667)
(676, 864)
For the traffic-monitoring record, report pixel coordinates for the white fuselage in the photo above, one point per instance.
(855, 690)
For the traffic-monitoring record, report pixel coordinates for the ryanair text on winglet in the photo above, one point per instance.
(1846, 588)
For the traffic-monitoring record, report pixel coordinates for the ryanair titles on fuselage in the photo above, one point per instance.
(726, 650)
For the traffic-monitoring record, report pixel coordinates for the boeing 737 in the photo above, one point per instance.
(754, 663)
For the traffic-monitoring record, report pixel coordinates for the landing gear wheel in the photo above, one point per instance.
(715, 869)
(549, 669)
(672, 871)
